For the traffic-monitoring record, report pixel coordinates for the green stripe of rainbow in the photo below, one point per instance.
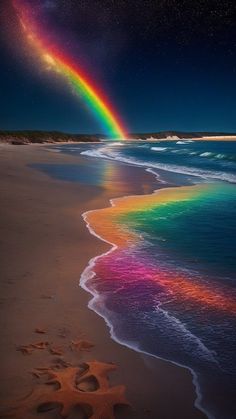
(82, 86)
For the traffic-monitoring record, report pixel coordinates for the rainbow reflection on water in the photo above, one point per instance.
(166, 293)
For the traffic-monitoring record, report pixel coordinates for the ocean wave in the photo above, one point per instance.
(180, 151)
(206, 154)
(159, 148)
(209, 154)
(95, 153)
(97, 304)
(189, 340)
(185, 170)
(212, 156)
(191, 152)
(116, 143)
(158, 177)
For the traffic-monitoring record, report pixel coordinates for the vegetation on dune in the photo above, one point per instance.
(40, 137)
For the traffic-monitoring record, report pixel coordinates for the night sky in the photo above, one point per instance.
(165, 65)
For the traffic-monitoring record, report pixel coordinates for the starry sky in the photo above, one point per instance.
(165, 65)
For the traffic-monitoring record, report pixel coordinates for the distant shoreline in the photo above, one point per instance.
(205, 138)
(56, 137)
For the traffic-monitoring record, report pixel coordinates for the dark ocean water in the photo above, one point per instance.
(187, 160)
(173, 293)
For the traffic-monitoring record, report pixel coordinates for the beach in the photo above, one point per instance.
(45, 247)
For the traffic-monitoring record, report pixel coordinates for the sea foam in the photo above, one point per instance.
(191, 171)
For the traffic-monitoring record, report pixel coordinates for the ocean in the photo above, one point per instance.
(167, 287)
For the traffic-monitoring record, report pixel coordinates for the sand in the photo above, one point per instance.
(47, 331)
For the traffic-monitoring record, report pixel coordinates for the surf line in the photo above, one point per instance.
(89, 273)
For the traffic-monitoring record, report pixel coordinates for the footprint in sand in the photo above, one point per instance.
(86, 387)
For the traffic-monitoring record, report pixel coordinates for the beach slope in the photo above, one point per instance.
(45, 322)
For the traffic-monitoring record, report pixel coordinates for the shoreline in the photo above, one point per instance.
(48, 211)
(150, 167)
(225, 138)
(189, 139)
(88, 274)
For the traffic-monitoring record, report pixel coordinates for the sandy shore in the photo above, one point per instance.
(45, 246)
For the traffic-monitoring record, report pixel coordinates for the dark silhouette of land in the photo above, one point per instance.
(52, 137)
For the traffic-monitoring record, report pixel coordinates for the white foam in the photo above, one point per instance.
(95, 153)
(191, 171)
(206, 154)
(89, 273)
(158, 148)
(202, 350)
(206, 174)
(116, 143)
(157, 176)
(93, 304)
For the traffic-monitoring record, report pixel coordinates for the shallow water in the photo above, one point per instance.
(171, 291)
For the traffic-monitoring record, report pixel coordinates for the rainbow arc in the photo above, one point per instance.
(61, 63)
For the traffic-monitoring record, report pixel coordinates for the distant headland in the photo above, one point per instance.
(44, 137)
(54, 137)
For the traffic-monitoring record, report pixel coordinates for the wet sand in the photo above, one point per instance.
(45, 247)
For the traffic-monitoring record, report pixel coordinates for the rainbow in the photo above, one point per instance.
(62, 64)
